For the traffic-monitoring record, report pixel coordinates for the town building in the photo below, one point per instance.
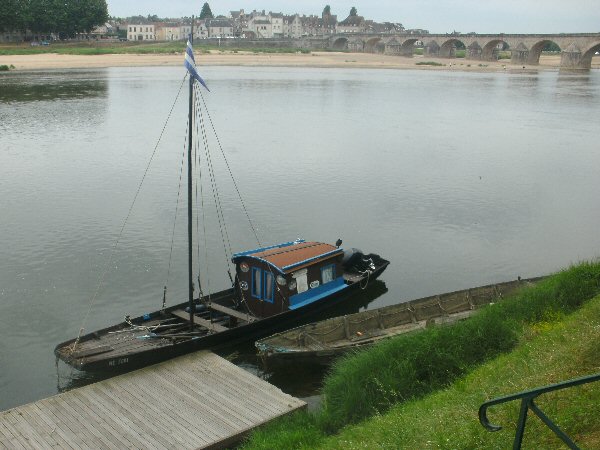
(352, 24)
(219, 28)
(141, 32)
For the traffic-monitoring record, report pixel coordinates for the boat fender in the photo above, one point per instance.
(146, 316)
(199, 308)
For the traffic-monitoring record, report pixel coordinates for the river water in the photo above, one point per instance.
(459, 179)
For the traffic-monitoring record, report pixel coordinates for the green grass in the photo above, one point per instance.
(101, 48)
(429, 63)
(4, 68)
(550, 352)
(417, 371)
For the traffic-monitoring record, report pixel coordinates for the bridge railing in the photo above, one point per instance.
(527, 402)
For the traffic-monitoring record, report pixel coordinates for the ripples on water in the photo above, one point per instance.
(460, 179)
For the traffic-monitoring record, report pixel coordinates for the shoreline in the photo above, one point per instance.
(47, 61)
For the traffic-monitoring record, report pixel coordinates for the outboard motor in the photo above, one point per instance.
(351, 257)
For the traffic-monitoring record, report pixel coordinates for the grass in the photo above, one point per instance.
(551, 351)
(5, 68)
(403, 393)
(102, 48)
(429, 63)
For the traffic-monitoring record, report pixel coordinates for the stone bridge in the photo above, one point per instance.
(577, 50)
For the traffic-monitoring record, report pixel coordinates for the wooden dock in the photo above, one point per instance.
(196, 401)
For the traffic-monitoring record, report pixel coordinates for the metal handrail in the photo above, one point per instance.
(527, 398)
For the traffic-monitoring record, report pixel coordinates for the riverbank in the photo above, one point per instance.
(46, 61)
(423, 390)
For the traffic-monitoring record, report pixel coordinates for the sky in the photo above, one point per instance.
(437, 16)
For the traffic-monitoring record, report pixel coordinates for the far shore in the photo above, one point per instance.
(315, 59)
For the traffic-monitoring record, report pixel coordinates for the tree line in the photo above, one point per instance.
(63, 17)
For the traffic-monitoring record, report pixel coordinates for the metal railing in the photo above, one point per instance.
(527, 402)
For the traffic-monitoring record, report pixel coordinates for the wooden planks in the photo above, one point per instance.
(195, 401)
(232, 312)
(199, 320)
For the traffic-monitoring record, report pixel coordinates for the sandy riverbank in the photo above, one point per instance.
(315, 59)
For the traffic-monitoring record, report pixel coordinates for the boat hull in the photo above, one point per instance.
(246, 332)
(321, 342)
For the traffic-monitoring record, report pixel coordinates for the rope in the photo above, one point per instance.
(176, 211)
(216, 195)
(114, 247)
(229, 169)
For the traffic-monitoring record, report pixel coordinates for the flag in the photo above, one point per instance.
(190, 63)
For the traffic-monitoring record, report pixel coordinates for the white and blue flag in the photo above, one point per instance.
(190, 63)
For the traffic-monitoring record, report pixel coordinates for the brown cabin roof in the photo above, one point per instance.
(293, 257)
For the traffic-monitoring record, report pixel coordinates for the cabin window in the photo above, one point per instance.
(327, 273)
(301, 278)
(263, 284)
(268, 286)
(256, 282)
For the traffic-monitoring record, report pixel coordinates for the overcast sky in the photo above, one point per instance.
(437, 16)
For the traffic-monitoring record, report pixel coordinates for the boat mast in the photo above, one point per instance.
(190, 126)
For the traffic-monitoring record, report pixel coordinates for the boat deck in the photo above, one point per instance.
(195, 401)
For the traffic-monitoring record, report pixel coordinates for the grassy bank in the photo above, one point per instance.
(102, 48)
(406, 383)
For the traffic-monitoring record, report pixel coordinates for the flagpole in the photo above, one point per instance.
(190, 127)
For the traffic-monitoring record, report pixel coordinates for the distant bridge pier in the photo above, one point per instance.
(519, 55)
(573, 58)
(474, 51)
(432, 49)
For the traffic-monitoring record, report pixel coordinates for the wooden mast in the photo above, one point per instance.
(190, 126)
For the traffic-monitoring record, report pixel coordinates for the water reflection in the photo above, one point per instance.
(59, 86)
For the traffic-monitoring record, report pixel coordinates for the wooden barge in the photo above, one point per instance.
(320, 342)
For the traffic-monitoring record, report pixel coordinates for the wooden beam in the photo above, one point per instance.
(199, 320)
(232, 312)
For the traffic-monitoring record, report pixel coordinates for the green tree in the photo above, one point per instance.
(12, 15)
(206, 13)
(326, 11)
(353, 11)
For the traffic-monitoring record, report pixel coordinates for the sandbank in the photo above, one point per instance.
(315, 59)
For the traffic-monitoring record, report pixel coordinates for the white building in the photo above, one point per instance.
(141, 32)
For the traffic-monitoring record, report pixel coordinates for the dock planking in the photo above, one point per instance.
(195, 401)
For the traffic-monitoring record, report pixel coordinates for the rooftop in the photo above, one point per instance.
(291, 256)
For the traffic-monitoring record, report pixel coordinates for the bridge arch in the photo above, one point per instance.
(340, 43)
(536, 50)
(374, 45)
(408, 47)
(490, 51)
(448, 48)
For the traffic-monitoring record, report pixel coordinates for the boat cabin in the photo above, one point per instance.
(288, 276)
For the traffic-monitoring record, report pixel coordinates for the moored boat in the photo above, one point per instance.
(323, 341)
(273, 289)
(276, 287)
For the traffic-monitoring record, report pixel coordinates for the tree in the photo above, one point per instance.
(326, 11)
(206, 13)
(12, 15)
(353, 11)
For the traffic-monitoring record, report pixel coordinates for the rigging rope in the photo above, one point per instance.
(229, 169)
(216, 196)
(114, 247)
(176, 213)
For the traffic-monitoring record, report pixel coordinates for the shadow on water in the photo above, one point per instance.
(299, 381)
(28, 88)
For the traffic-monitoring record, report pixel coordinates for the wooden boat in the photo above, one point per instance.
(320, 342)
(274, 288)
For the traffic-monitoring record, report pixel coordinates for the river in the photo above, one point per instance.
(459, 179)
